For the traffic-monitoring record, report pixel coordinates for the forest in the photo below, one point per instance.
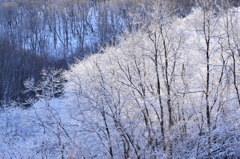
(119, 79)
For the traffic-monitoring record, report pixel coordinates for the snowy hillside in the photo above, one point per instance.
(170, 90)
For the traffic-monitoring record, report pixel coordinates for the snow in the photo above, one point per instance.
(110, 97)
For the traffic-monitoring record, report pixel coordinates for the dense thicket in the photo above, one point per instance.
(16, 66)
